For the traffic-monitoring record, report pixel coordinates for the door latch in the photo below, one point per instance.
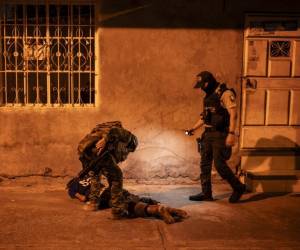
(251, 84)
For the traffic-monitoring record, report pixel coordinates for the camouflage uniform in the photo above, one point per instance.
(114, 176)
(118, 146)
(103, 160)
(132, 206)
(125, 204)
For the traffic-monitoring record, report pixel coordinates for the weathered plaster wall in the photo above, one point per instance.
(146, 81)
(154, 89)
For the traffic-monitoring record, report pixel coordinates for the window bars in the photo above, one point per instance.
(47, 55)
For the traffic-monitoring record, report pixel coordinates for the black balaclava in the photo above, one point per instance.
(206, 77)
(211, 86)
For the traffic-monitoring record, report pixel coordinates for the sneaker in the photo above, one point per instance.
(237, 194)
(201, 197)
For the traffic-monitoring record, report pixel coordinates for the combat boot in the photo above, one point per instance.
(237, 194)
(201, 197)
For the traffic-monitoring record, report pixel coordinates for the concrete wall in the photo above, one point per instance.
(149, 54)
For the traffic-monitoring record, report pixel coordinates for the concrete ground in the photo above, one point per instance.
(36, 213)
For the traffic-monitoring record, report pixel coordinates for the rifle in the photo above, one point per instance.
(90, 166)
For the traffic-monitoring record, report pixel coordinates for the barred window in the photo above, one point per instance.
(280, 48)
(47, 55)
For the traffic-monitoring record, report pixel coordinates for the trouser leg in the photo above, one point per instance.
(219, 156)
(95, 188)
(115, 179)
(206, 166)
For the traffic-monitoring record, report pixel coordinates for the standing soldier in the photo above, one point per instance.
(219, 121)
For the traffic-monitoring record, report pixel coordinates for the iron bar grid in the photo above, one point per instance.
(47, 55)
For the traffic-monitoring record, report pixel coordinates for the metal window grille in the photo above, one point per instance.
(280, 48)
(47, 55)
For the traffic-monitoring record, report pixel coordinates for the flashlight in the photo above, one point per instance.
(189, 132)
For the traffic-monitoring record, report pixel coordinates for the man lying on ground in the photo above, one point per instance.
(133, 206)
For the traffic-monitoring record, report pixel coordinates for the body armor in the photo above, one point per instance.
(214, 114)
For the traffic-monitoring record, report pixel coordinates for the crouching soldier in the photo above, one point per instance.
(132, 205)
(100, 152)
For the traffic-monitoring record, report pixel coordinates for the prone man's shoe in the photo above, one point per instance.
(201, 197)
(237, 194)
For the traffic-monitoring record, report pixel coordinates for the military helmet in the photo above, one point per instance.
(132, 144)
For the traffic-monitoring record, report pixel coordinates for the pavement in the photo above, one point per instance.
(36, 213)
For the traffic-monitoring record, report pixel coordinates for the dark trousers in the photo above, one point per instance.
(213, 149)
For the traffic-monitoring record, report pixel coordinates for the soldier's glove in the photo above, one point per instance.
(189, 132)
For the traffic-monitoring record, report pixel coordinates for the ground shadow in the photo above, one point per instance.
(265, 159)
(263, 196)
(179, 197)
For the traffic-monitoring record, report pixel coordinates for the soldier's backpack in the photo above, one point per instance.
(223, 88)
(100, 131)
(85, 147)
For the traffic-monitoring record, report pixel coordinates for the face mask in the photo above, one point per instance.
(210, 88)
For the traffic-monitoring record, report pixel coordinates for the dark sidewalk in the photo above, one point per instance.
(36, 213)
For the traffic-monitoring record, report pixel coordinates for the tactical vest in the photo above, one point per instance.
(214, 114)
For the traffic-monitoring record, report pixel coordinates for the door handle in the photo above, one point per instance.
(251, 84)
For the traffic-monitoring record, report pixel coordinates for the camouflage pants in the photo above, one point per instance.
(96, 188)
(214, 149)
(114, 176)
(133, 205)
